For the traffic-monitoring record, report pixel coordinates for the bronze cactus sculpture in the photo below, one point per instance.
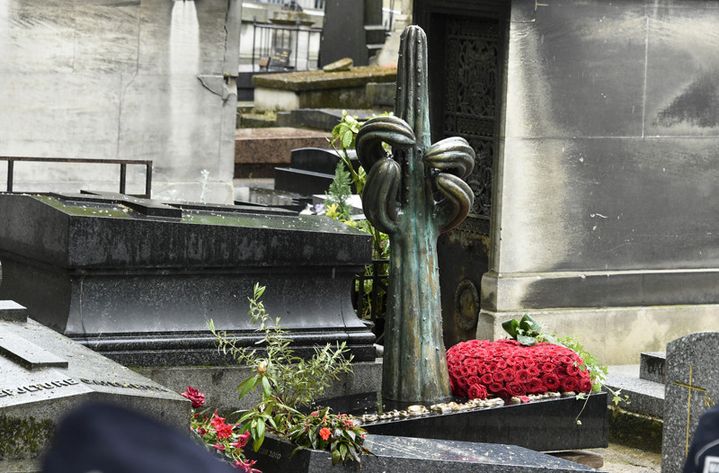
(413, 194)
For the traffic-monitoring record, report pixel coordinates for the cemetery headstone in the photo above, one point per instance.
(44, 374)
(692, 387)
(138, 280)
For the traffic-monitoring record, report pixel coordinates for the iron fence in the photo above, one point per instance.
(283, 47)
(369, 295)
(123, 163)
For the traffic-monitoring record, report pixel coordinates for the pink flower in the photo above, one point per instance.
(246, 466)
(219, 447)
(242, 440)
(195, 396)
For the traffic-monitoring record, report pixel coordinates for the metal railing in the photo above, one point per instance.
(123, 163)
(304, 4)
(369, 295)
(280, 47)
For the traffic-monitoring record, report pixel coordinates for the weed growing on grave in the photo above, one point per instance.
(286, 383)
(343, 139)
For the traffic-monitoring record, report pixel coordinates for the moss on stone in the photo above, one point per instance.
(318, 80)
(23, 438)
(635, 430)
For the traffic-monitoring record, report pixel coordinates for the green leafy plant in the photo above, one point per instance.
(528, 331)
(343, 139)
(284, 381)
(324, 430)
(339, 191)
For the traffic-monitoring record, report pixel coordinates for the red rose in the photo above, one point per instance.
(535, 386)
(496, 387)
(195, 396)
(473, 380)
(487, 379)
(569, 384)
(515, 389)
(548, 367)
(477, 391)
(552, 381)
(533, 371)
(572, 369)
(585, 385)
(522, 376)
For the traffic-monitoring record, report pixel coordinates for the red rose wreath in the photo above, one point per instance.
(479, 369)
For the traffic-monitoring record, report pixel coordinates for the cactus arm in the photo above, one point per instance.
(379, 199)
(451, 155)
(458, 200)
(391, 130)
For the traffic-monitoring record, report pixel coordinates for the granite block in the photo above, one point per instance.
(397, 454)
(652, 366)
(692, 387)
(43, 375)
(540, 425)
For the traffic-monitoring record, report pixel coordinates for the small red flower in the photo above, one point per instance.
(242, 440)
(325, 433)
(219, 447)
(195, 396)
(224, 431)
(477, 391)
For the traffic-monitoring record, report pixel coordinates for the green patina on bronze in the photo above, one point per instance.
(413, 194)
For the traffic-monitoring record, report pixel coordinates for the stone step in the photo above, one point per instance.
(651, 366)
(259, 150)
(645, 397)
(636, 422)
(320, 118)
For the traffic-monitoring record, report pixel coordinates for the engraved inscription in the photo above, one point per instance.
(31, 388)
(63, 383)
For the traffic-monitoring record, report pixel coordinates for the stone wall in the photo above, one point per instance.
(121, 80)
(605, 208)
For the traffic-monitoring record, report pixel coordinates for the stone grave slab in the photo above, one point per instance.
(138, 280)
(44, 374)
(692, 387)
(400, 454)
(543, 425)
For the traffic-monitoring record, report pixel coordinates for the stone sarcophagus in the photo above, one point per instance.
(138, 280)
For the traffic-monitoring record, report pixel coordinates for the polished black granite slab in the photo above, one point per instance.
(140, 287)
(543, 425)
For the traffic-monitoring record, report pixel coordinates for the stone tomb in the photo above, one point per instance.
(44, 374)
(137, 280)
(398, 454)
(598, 121)
(692, 387)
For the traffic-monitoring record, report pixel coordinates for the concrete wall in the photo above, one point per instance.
(605, 208)
(121, 79)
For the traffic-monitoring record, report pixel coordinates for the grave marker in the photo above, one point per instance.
(692, 387)
(44, 374)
